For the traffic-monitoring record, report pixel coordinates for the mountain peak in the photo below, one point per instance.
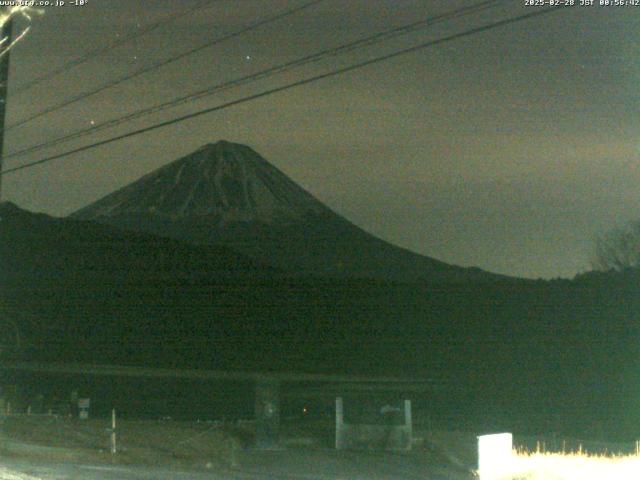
(222, 146)
(224, 181)
(225, 193)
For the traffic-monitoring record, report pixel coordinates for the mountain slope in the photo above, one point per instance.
(79, 290)
(39, 243)
(227, 194)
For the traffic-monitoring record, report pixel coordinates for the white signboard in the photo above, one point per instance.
(495, 456)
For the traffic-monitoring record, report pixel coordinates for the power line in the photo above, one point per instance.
(163, 63)
(102, 50)
(360, 43)
(282, 88)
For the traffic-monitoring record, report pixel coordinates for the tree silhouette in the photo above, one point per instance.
(619, 249)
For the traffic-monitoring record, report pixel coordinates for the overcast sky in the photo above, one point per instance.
(509, 150)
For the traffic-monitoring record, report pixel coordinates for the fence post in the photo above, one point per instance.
(339, 424)
(408, 423)
(113, 432)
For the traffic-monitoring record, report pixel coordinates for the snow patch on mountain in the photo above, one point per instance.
(225, 181)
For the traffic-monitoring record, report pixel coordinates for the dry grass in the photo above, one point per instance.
(139, 442)
(571, 466)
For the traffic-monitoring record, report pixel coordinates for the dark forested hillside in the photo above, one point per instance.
(559, 352)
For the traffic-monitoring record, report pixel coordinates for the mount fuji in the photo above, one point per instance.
(227, 194)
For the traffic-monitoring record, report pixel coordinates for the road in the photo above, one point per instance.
(354, 468)
(29, 470)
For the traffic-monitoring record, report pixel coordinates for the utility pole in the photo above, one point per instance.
(7, 35)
